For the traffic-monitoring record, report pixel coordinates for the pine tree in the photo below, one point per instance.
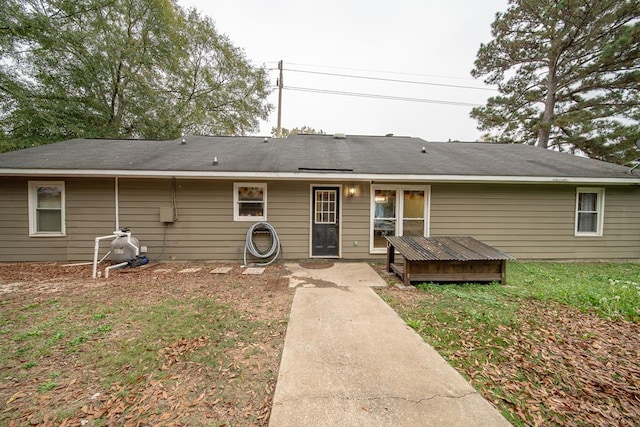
(568, 73)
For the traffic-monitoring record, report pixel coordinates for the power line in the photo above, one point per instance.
(381, 71)
(377, 96)
(390, 80)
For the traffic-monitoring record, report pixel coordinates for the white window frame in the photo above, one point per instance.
(399, 210)
(599, 212)
(236, 202)
(33, 206)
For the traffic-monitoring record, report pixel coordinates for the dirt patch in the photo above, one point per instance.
(280, 283)
(203, 379)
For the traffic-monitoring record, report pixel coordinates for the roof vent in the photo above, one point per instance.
(266, 140)
(215, 161)
(183, 142)
(389, 134)
(339, 136)
(424, 149)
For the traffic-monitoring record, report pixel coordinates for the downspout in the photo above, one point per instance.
(117, 205)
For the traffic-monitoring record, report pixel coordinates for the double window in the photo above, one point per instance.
(589, 211)
(249, 201)
(46, 208)
(398, 211)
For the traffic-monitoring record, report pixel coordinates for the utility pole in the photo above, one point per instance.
(279, 128)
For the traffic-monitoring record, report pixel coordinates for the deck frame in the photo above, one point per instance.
(446, 259)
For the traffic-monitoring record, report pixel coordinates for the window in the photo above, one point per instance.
(46, 209)
(326, 206)
(589, 211)
(397, 211)
(249, 202)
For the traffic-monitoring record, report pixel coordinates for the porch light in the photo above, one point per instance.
(352, 190)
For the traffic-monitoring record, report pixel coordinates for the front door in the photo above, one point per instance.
(325, 222)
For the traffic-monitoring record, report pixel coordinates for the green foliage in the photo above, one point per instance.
(120, 69)
(29, 365)
(568, 76)
(611, 290)
(49, 385)
(414, 324)
(297, 131)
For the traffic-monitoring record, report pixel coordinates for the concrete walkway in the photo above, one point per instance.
(349, 360)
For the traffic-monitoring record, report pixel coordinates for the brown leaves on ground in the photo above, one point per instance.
(553, 365)
(572, 367)
(189, 380)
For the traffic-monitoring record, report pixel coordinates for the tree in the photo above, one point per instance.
(121, 68)
(308, 130)
(568, 73)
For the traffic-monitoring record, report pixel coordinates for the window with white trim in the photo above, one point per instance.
(397, 211)
(46, 209)
(249, 201)
(589, 211)
(326, 206)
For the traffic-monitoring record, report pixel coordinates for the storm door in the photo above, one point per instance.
(325, 222)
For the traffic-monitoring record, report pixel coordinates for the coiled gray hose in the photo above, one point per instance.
(250, 246)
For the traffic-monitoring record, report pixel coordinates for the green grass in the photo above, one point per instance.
(123, 340)
(153, 327)
(477, 326)
(611, 290)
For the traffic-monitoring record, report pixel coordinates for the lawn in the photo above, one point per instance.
(560, 344)
(148, 346)
(152, 346)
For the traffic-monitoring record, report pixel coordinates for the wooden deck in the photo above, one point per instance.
(446, 259)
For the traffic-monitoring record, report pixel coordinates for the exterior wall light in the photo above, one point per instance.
(352, 190)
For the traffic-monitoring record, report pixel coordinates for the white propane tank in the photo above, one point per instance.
(123, 248)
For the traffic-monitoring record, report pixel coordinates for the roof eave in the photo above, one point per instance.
(326, 176)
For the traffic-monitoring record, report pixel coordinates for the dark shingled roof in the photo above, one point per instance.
(321, 154)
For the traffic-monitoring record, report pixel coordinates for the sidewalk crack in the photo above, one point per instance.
(425, 399)
(417, 402)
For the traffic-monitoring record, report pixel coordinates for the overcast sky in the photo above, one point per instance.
(426, 41)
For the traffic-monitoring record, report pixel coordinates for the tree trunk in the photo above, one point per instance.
(549, 105)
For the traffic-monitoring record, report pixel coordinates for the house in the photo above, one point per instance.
(330, 196)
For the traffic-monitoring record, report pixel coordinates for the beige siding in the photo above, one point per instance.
(90, 212)
(205, 229)
(355, 224)
(536, 221)
(528, 221)
(16, 245)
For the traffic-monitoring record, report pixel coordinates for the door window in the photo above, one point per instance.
(384, 213)
(397, 211)
(325, 211)
(413, 213)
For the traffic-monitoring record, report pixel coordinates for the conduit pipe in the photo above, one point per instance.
(122, 233)
(96, 248)
(117, 203)
(111, 267)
